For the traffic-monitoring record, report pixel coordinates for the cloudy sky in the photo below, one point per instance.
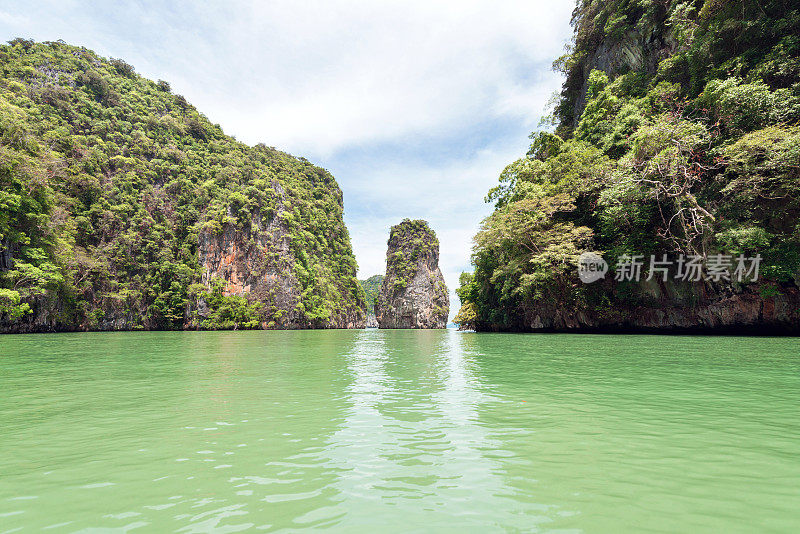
(414, 106)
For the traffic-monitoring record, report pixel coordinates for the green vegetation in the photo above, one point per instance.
(372, 288)
(409, 240)
(686, 142)
(106, 181)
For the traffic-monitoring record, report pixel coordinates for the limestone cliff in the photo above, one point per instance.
(633, 51)
(659, 150)
(701, 307)
(256, 262)
(413, 293)
(610, 40)
(127, 209)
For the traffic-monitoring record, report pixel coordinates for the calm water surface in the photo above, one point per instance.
(400, 431)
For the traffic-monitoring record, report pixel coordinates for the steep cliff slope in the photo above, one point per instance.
(123, 207)
(413, 293)
(676, 139)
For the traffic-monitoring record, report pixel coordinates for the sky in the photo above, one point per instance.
(414, 106)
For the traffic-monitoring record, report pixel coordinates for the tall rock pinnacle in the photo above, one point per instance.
(413, 294)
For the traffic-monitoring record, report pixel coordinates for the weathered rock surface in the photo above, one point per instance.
(413, 293)
(634, 51)
(701, 307)
(258, 264)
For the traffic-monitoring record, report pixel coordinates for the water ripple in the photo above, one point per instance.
(398, 431)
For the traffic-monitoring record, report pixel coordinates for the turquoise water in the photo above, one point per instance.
(400, 431)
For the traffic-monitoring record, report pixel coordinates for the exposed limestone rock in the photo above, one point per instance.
(258, 265)
(413, 294)
(701, 307)
(633, 52)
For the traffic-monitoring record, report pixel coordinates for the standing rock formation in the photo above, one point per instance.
(413, 294)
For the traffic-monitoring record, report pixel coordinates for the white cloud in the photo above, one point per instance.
(327, 75)
(12, 19)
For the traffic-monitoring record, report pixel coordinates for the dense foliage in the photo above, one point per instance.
(371, 287)
(108, 178)
(676, 132)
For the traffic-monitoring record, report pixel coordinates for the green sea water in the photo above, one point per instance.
(398, 431)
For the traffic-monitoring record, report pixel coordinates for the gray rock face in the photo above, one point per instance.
(634, 51)
(256, 265)
(697, 307)
(413, 294)
(259, 266)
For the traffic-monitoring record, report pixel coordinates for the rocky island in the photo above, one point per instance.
(413, 293)
(122, 207)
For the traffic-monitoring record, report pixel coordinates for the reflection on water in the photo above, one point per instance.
(398, 430)
(411, 442)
